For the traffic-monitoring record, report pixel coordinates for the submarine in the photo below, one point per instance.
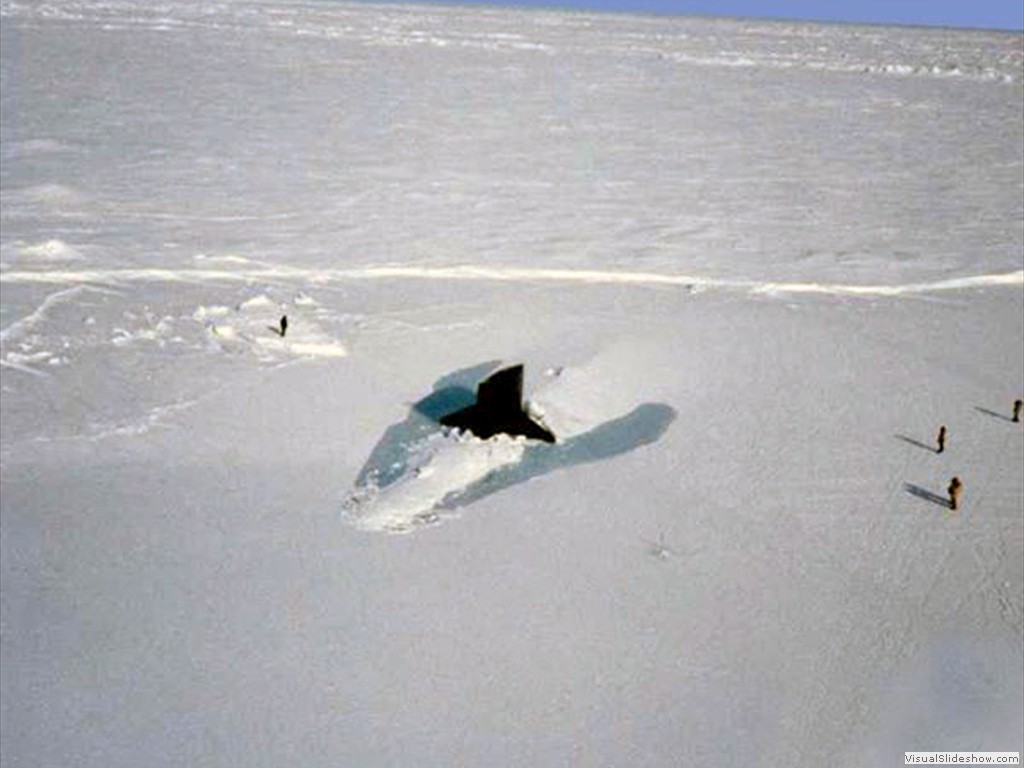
(498, 410)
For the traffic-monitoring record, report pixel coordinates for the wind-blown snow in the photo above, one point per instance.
(507, 274)
(750, 269)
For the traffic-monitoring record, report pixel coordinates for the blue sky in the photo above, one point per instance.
(985, 14)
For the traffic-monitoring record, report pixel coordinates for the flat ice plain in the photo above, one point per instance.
(750, 268)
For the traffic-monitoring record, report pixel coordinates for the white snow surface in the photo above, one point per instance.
(750, 268)
(438, 465)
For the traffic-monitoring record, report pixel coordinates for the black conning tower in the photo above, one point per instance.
(499, 409)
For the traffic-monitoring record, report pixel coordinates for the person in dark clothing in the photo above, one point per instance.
(942, 439)
(1017, 405)
(955, 487)
(284, 325)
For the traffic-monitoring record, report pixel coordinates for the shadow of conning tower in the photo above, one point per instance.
(498, 409)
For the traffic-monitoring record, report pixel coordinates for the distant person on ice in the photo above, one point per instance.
(942, 439)
(955, 487)
(284, 325)
(1017, 405)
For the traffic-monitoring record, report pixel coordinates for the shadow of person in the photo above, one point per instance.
(924, 493)
(993, 414)
(917, 443)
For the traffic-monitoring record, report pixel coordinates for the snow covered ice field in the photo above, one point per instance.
(750, 268)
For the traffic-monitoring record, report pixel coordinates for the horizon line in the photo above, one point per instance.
(556, 7)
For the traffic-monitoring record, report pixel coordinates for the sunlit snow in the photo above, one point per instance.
(750, 269)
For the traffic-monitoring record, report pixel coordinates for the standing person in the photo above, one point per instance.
(1017, 405)
(284, 325)
(942, 439)
(955, 487)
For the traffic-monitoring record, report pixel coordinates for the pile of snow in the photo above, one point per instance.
(438, 467)
(253, 326)
(51, 250)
